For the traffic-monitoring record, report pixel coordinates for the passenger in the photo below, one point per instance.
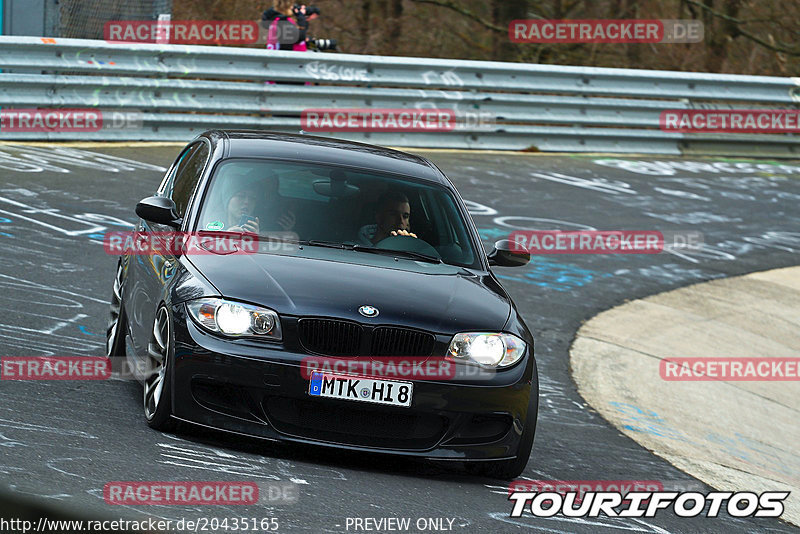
(392, 217)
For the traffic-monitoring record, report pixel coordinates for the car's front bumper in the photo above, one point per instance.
(259, 390)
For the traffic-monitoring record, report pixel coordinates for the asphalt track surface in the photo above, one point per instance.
(63, 441)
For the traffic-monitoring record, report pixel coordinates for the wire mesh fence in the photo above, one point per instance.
(85, 19)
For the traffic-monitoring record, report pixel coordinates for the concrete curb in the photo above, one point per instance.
(734, 436)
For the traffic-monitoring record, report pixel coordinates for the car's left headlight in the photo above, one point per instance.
(235, 318)
(486, 348)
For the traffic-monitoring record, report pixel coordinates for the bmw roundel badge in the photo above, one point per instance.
(368, 311)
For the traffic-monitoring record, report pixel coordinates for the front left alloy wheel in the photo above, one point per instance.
(157, 402)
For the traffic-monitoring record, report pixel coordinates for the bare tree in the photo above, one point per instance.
(746, 36)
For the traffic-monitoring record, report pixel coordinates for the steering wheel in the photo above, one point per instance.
(406, 243)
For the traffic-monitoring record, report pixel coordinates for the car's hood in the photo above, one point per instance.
(435, 297)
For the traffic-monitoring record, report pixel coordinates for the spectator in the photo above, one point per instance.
(288, 24)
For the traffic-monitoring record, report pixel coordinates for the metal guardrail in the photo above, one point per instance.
(182, 90)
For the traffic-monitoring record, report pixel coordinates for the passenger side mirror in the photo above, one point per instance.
(508, 254)
(159, 210)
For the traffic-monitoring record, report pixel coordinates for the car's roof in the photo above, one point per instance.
(254, 143)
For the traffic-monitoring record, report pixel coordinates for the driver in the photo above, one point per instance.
(392, 219)
(237, 196)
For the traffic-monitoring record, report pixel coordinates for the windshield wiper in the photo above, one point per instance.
(403, 253)
(373, 250)
(327, 244)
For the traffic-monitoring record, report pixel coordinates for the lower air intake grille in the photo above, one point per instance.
(353, 424)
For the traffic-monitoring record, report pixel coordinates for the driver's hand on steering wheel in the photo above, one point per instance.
(403, 232)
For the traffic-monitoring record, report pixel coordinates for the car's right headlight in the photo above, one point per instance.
(235, 318)
(487, 349)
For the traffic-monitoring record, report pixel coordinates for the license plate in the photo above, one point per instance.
(361, 389)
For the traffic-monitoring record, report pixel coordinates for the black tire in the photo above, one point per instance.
(513, 467)
(118, 324)
(157, 398)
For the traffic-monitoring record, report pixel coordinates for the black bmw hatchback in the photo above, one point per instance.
(366, 315)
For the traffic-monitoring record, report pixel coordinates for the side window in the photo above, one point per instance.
(166, 184)
(187, 175)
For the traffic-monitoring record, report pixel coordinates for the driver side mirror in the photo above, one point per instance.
(508, 254)
(159, 210)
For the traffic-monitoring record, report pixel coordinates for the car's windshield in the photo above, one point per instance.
(327, 205)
